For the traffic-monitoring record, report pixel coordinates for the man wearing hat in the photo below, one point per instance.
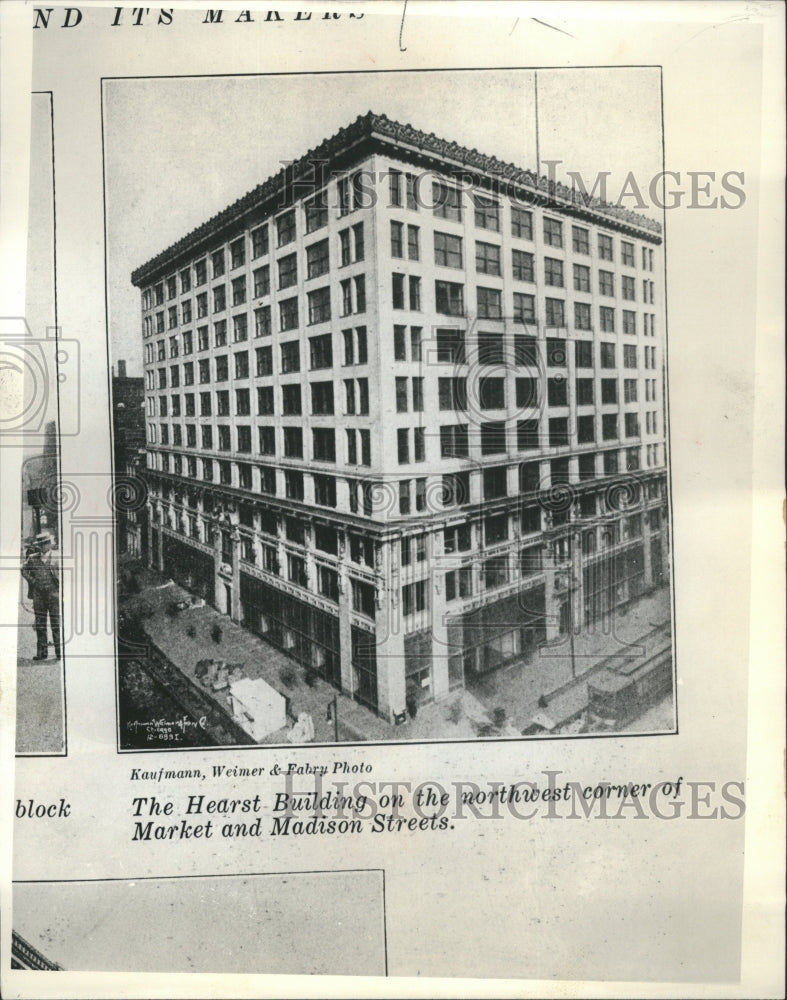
(42, 573)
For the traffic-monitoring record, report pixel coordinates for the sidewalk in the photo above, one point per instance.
(40, 723)
(518, 686)
(500, 703)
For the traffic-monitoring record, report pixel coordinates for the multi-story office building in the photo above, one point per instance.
(128, 435)
(405, 413)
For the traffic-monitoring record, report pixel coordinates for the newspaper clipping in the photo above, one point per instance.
(390, 447)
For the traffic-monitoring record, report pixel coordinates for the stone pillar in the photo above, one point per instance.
(390, 636)
(345, 624)
(647, 556)
(235, 610)
(553, 597)
(440, 651)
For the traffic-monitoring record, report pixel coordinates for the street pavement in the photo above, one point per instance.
(501, 703)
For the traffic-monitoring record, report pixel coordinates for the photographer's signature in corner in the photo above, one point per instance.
(166, 730)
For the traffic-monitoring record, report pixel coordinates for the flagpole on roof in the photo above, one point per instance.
(538, 154)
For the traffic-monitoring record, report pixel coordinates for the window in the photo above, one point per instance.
(321, 351)
(414, 597)
(605, 251)
(324, 444)
(521, 223)
(401, 395)
(285, 228)
(319, 305)
(526, 393)
(557, 391)
(397, 293)
(493, 437)
(204, 404)
(522, 263)
(490, 349)
(290, 357)
(413, 243)
(224, 438)
(487, 212)
(459, 583)
(222, 368)
(262, 321)
(553, 233)
(202, 339)
(632, 459)
(629, 355)
(582, 319)
(354, 294)
(267, 480)
(447, 250)
(585, 394)
(631, 424)
(190, 407)
(317, 259)
(524, 307)
(580, 240)
(610, 463)
(489, 303)
(609, 390)
(244, 438)
(265, 400)
(558, 432)
(609, 426)
(325, 491)
(447, 202)
(495, 485)
(606, 319)
(186, 311)
(259, 241)
(351, 245)
(449, 298)
(628, 287)
(495, 572)
(188, 343)
(454, 441)
(185, 280)
(491, 393)
(553, 272)
(238, 252)
(414, 284)
(586, 429)
(627, 253)
(487, 258)
(322, 398)
(291, 400)
(456, 539)
(202, 305)
(220, 333)
(606, 283)
(607, 354)
(403, 445)
(288, 314)
(288, 270)
(450, 345)
(452, 393)
(316, 213)
(218, 263)
(296, 570)
(397, 239)
(418, 394)
(239, 291)
(293, 442)
(629, 321)
(395, 189)
(264, 358)
(201, 272)
(242, 364)
(556, 316)
(240, 328)
(293, 485)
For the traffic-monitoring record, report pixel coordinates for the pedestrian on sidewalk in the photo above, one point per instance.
(42, 573)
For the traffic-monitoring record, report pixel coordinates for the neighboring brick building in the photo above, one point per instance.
(405, 404)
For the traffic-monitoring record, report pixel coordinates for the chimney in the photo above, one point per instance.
(121, 369)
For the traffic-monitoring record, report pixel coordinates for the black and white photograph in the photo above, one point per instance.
(40, 679)
(391, 386)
